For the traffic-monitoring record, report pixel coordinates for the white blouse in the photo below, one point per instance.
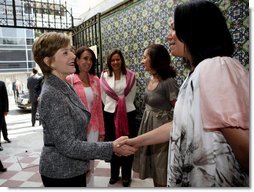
(89, 96)
(118, 86)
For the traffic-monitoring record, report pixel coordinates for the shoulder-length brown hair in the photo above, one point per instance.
(78, 54)
(160, 61)
(123, 66)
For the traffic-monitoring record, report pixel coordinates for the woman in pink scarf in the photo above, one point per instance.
(118, 89)
(87, 86)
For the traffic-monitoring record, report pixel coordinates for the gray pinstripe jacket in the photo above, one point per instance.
(66, 153)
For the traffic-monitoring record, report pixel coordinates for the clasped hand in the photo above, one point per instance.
(121, 147)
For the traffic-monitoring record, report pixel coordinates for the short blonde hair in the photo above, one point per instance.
(47, 45)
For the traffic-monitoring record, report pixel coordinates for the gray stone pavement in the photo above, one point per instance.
(24, 137)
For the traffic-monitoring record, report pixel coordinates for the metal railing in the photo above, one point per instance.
(41, 14)
(88, 34)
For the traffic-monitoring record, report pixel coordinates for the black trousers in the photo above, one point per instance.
(33, 112)
(1, 165)
(78, 181)
(3, 128)
(116, 162)
(126, 165)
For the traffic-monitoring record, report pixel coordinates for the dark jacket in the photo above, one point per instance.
(4, 102)
(38, 87)
(32, 82)
(66, 153)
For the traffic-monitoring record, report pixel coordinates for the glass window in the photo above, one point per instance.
(12, 41)
(12, 32)
(30, 33)
(12, 55)
(14, 65)
(30, 55)
(29, 41)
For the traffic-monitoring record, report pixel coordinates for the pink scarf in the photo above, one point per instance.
(120, 119)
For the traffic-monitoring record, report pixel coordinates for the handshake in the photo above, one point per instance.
(123, 146)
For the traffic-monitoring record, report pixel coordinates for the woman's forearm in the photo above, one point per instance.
(156, 136)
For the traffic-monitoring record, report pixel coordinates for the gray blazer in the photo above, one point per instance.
(66, 153)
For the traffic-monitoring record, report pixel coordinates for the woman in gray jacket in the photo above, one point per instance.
(66, 153)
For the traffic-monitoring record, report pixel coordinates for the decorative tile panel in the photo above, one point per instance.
(133, 28)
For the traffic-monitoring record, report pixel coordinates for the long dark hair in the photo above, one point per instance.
(123, 66)
(160, 61)
(78, 55)
(201, 26)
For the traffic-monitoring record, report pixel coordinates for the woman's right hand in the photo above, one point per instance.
(122, 149)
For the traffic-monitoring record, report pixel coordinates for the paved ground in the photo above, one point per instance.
(21, 156)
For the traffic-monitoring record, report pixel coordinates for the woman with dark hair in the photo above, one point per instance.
(209, 135)
(118, 86)
(160, 97)
(87, 86)
(66, 153)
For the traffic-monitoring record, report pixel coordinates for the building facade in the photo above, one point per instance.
(21, 21)
(16, 59)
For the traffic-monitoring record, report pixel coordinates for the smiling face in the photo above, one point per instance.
(146, 61)
(62, 62)
(177, 47)
(116, 62)
(85, 62)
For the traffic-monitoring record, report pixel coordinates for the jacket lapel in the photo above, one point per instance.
(67, 89)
